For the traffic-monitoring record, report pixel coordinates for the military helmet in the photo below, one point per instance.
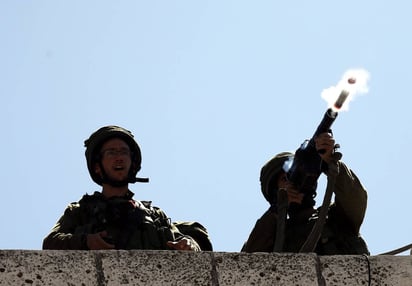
(99, 137)
(269, 174)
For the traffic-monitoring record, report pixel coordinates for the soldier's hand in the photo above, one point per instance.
(294, 196)
(325, 145)
(184, 244)
(95, 241)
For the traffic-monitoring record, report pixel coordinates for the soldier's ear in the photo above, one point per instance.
(97, 169)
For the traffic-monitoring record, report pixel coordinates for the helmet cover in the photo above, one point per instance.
(94, 143)
(269, 174)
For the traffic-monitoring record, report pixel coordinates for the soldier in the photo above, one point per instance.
(112, 219)
(340, 232)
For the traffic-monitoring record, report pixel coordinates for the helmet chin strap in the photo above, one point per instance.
(140, 180)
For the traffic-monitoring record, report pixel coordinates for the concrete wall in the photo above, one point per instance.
(22, 267)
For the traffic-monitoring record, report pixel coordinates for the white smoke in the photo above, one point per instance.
(360, 86)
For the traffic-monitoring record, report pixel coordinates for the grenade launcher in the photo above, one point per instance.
(307, 165)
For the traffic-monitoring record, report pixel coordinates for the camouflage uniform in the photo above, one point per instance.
(130, 224)
(340, 234)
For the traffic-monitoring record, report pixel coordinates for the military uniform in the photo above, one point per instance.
(130, 224)
(340, 233)
(127, 223)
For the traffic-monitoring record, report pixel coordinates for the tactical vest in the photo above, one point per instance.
(130, 224)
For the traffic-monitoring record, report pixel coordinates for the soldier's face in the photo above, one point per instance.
(115, 159)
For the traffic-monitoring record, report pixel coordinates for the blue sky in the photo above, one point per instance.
(211, 90)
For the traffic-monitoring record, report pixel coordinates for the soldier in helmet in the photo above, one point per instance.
(112, 219)
(340, 232)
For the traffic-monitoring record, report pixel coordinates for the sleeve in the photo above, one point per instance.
(262, 237)
(350, 198)
(176, 233)
(63, 236)
(179, 236)
(196, 231)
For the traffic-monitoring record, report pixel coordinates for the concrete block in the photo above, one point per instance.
(266, 269)
(345, 270)
(156, 267)
(52, 267)
(391, 270)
